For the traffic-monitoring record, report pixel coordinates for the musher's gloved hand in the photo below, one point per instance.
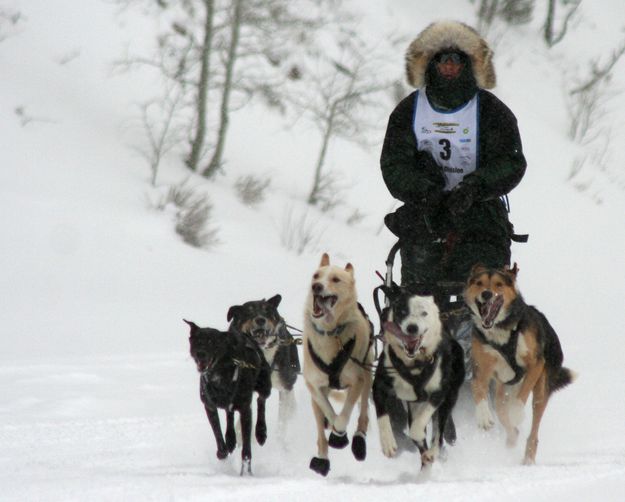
(461, 198)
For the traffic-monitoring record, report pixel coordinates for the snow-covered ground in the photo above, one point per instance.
(98, 396)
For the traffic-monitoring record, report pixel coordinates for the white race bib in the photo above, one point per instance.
(450, 137)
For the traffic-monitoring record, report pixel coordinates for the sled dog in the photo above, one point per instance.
(231, 368)
(261, 321)
(337, 343)
(514, 345)
(422, 366)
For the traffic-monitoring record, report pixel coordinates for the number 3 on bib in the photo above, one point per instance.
(446, 152)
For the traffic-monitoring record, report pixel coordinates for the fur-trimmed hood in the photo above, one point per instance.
(444, 35)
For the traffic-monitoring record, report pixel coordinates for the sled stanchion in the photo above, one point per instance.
(390, 260)
(387, 281)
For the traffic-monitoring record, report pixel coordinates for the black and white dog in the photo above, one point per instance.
(231, 369)
(261, 321)
(422, 366)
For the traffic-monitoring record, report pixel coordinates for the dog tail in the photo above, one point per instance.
(560, 378)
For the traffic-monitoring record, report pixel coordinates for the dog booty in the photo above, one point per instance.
(449, 433)
(359, 446)
(338, 439)
(320, 465)
(246, 467)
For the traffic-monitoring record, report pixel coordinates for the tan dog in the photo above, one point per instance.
(337, 341)
(514, 344)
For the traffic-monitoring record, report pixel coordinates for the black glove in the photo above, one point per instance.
(431, 202)
(461, 198)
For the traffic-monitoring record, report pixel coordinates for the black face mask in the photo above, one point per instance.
(450, 94)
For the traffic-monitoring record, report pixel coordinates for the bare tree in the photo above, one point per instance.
(549, 34)
(235, 30)
(201, 56)
(511, 11)
(486, 14)
(341, 92)
(161, 129)
(261, 33)
(585, 99)
(601, 73)
(182, 59)
(590, 126)
(199, 134)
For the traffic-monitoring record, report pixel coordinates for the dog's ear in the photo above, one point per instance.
(514, 271)
(476, 269)
(274, 301)
(233, 311)
(349, 268)
(193, 327)
(325, 260)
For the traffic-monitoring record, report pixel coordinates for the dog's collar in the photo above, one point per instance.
(335, 332)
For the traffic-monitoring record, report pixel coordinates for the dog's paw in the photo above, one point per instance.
(428, 456)
(359, 446)
(261, 433)
(246, 467)
(516, 412)
(449, 433)
(338, 439)
(320, 465)
(484, 417)
(387, 438)
(222, 453)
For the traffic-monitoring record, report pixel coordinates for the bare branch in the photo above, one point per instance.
(601, 73)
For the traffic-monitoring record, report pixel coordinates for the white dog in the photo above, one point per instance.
(337, 356)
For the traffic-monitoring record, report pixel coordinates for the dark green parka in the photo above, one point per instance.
(439, 246)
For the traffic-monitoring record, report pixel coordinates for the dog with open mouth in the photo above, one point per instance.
(337, 342)
(514, 345)
(422, 366)
(261, 321)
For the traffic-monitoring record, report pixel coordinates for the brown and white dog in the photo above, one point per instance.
(337, 341)
(514, 344)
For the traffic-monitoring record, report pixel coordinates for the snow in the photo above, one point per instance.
(98, 394)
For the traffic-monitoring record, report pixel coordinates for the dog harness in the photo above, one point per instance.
(419, 380)
(335, 332)
(333, 370)
(507, 351)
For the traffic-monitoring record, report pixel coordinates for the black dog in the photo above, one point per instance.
(261, 321)
(231, 368)
(422, 366)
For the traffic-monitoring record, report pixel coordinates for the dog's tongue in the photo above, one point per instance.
(412, 343)
(318, 306)
(489, 310)
(393, 328)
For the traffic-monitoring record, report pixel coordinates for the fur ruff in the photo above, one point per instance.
(450, 35)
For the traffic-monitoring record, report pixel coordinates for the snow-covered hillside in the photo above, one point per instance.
(98, 396)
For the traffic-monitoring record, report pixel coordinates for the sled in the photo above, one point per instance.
(454, 314)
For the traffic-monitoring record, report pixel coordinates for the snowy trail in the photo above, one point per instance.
(98, 396)
(133, 429)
